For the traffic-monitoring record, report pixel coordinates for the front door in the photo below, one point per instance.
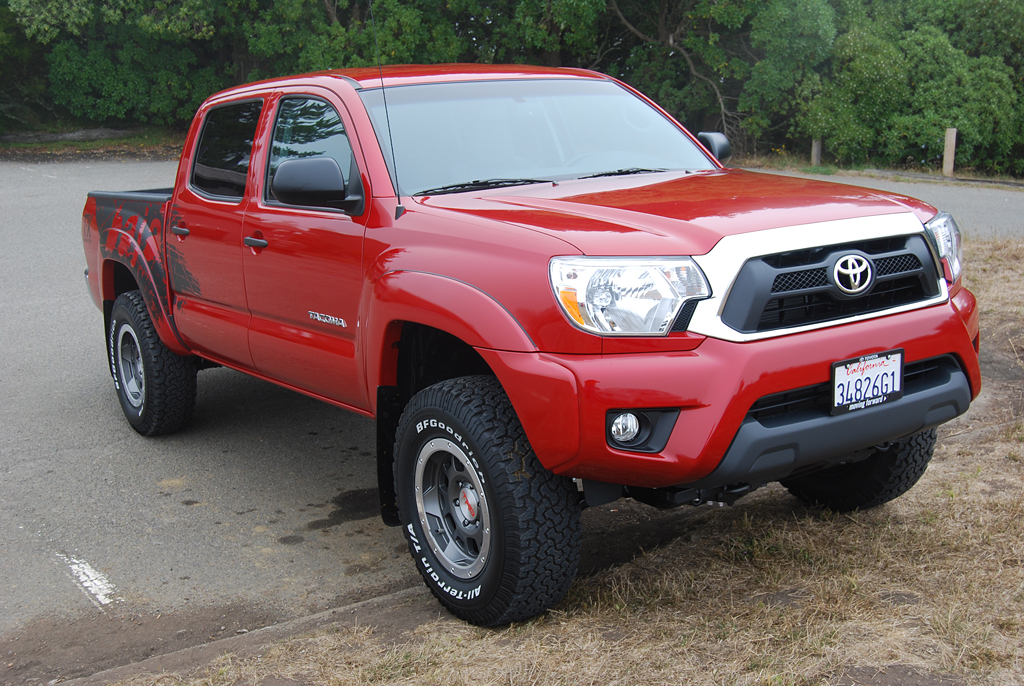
(303, 278)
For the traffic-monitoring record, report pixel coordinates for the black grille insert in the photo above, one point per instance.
(899, 264)
(798, 281)
(811, 256)
(797, 310)
(816, 398)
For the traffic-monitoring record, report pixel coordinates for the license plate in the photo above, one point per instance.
(867, 381)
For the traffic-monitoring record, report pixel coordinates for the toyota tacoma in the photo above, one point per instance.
(548, 294)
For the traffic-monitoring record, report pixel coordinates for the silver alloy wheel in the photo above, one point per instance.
(129, 366)
(452, 508)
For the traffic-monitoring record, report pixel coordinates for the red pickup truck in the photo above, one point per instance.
(548, 294)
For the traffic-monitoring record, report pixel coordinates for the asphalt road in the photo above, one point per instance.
(267, 499)
(263, 509)
(982, 211)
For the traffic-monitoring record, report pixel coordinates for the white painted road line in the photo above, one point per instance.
(93, 583)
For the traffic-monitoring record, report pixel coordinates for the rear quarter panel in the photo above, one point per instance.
(127, 229)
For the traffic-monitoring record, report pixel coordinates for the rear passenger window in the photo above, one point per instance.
(225, 146)
(307, 127)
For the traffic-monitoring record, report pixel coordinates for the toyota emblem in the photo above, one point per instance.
(852, 274)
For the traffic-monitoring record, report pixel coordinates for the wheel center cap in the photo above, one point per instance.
(468, 503)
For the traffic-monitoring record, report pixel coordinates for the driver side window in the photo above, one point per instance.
(307, 127)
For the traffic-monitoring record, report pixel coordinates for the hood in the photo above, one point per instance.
(672, 212)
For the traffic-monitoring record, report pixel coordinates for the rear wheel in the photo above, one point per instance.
(495, 535)
(887, 474)
(156, 387)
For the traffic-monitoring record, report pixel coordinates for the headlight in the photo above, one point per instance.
(625, 295)
(945, 236)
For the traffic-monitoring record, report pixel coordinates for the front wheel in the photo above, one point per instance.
(887, 474)
(494, 534)
(156, 387)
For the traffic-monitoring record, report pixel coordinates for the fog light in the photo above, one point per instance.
(625, 427)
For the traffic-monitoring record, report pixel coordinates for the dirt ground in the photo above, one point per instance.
(56, 647)
(925, 591)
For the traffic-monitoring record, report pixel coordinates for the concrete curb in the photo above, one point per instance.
(189, 660)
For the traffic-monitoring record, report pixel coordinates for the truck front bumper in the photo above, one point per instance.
(564, 400)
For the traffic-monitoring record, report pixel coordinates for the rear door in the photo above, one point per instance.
(204, 250)
(303, 287)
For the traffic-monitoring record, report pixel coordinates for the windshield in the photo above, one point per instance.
(451, 137)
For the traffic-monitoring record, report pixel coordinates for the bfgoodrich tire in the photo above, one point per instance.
(494, 534)
(885, 475)
(156, 387)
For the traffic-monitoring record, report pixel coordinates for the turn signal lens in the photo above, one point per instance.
(571, 306)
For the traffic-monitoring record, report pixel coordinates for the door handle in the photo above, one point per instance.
(178, 230)
(255, 242)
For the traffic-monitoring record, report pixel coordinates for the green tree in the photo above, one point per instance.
(892, 88)
(154, 60)
(709, 42)
(792, 37)
(867, 87)
(23, 77)
(949, 88)
(128, 75)
(551, 32)
(111, 61)
(728, 64)
(877, 79)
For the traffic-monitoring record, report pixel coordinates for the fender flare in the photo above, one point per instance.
(532, 381)
(121, 246)
(444, 303)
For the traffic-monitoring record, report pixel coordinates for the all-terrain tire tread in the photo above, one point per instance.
(170, 378)
(884, 476)
(544, 544)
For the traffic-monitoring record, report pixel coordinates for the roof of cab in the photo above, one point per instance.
(408, 74)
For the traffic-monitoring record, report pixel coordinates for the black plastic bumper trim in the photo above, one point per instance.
(765, 452)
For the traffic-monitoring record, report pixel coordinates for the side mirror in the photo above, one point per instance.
(717, 144)
(317, 182)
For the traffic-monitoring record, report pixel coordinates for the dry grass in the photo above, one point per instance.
(771, 593)
(995, 273)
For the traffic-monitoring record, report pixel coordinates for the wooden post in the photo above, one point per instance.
(949, 153)
(816, 152)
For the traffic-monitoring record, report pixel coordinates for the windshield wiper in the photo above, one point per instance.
(622, 172)
(479, 185)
